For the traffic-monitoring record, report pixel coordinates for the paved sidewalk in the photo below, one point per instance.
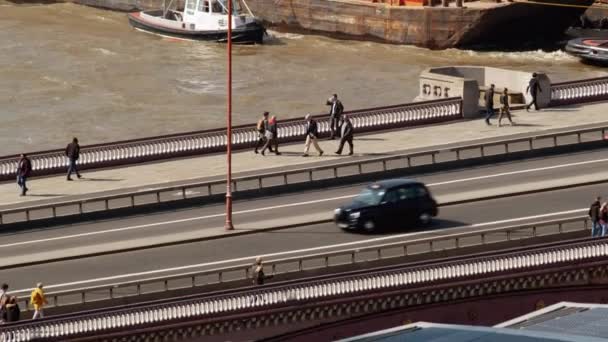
(156, 174)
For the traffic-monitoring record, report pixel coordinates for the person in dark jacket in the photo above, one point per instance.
(335, 112)
(346, 135)
(489, 104)
(272, 137)
(505, 108)
(594, 214)
(262, 127)
(533, 88)
(312, 134)
(24, 169)
(72, 151)
(603, 218)
(13, 312)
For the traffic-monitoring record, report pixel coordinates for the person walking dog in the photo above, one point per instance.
(72, 151)
(24, 169)
(346, 135)
(312, 134)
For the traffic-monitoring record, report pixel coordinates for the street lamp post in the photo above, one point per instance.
(228, 225)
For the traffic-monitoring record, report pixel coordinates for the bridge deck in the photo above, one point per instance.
(151, 175)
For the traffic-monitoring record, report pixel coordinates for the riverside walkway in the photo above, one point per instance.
(209, 167)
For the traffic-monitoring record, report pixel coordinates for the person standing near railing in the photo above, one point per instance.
(38, 300)
(335, 111)
(604, 218)
(72, 151)
(594, 214)
(24, 169)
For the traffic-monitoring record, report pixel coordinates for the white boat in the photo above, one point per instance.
(202, 20)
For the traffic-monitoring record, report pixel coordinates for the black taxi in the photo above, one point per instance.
(387, 204)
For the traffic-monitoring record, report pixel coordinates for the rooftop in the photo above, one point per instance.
(563, 321)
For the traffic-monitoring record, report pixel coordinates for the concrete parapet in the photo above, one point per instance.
(468, 81)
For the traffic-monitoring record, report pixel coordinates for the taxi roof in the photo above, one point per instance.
(392, 183)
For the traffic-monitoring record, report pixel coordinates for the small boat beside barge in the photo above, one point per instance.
(593, 50)
(202, 20)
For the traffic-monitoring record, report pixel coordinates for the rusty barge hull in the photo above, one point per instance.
(511, 24)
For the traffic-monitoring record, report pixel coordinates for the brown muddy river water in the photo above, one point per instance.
(68, 70)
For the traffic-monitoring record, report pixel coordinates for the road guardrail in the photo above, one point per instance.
(300, 176)
(244, 136)
(343, 257)
(298, 293)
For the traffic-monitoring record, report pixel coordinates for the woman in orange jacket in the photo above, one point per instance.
(38, 300)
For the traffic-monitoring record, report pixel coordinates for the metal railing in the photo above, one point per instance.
(580, 91)
(295, 293)
(308, 174)
(343, 257)
(244, 136)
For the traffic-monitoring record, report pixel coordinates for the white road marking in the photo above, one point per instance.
(240, 212)
(520, 172)
(306, 250)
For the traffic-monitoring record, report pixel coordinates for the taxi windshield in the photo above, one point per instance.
(370, 196)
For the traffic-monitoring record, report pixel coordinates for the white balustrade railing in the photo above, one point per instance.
(292, 294)
(579, 91)
(243, 136)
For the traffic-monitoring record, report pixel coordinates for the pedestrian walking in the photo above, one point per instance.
(346, 135)
(335, 112)
(312, 134)
(603, 219)
(594, 214)
(72, 151)
(272, 137)
(4, 297)
(533, 88)
(13, 312)
(258, 272)
(24, 169)
(505, 108)
(38, 299)
(489, 104)
(262, 127)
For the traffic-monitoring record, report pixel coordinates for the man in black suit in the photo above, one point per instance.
(335, 111)
(489, 104)
(346, 135)
(533, 89)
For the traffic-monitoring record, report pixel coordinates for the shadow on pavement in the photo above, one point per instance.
(436, 225)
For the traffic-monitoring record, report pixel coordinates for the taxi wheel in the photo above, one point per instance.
(425, 218)
(369, 226)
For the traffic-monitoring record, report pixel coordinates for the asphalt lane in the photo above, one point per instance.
(475, 181)
(323, 237)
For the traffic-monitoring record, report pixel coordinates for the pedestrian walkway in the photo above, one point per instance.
(153, 175)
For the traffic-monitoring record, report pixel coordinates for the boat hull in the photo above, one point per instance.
(589, 50)
(251, 34)
(515, 25)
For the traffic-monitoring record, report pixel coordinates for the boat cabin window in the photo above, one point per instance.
(221, 6)
(190, 6)
(203, 6)
(217, 7)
